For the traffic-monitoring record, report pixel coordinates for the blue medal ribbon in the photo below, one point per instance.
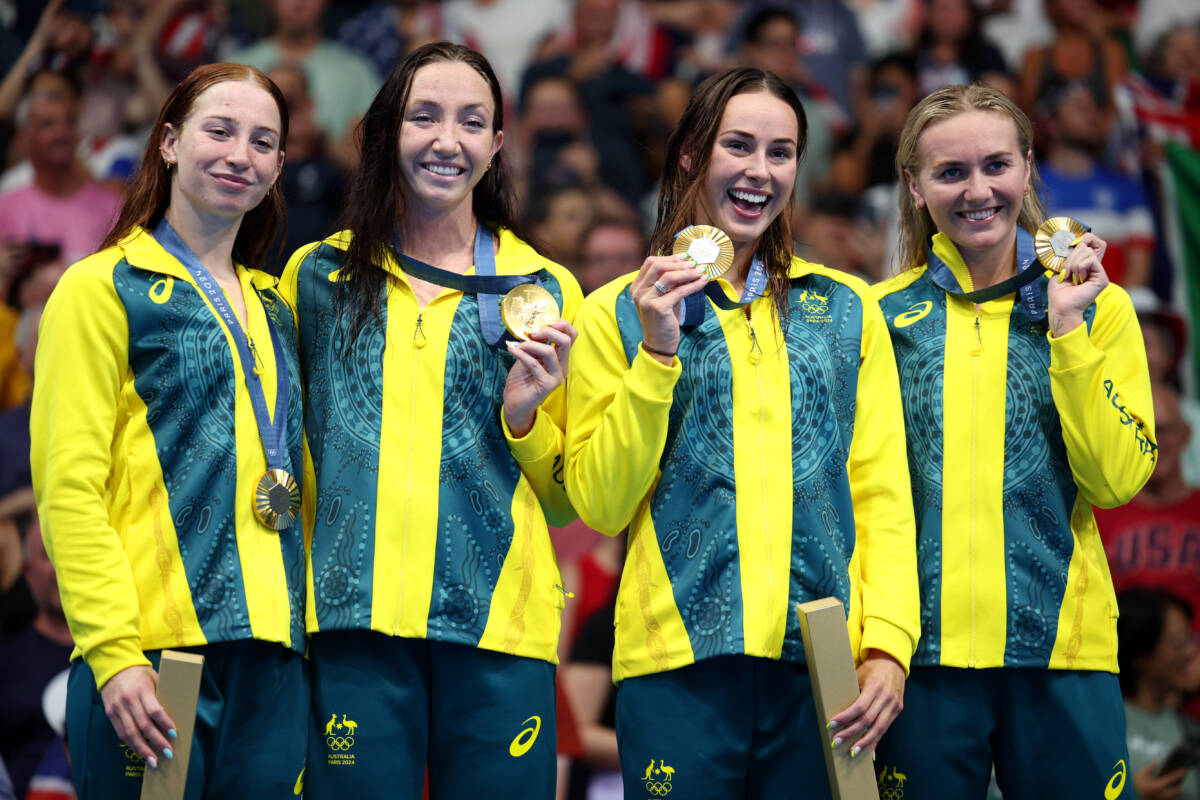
(273, 431)
(1028, 270)
(485, 284)
(693, 307)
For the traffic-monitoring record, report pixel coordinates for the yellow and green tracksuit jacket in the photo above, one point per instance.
(146, 454)
(1013, 436)
(764, 468)
(429, 518)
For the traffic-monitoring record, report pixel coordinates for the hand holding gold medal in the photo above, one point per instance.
(709, 248)
(1055, 239)
(527, 309)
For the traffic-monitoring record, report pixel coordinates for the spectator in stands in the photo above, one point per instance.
(342, 82)
(771, 42)
(1081, 50)
(610, 247)
(557, 217)
(868, 158)
(618, 101)
(1154, 539)
(1079, 185)
(836, 233)
(28, 660)
(952, 49)
(386, 30)
(312, 183)
(1157, 658)
(554, 144)
(14, 422)
(507, 32)
(63, 206)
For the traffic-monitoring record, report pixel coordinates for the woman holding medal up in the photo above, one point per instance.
(1027, 402)
(751, 449)
(436, 441)
(166, 419)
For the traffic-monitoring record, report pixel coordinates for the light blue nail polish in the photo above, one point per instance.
(167, 753)
(171, 734)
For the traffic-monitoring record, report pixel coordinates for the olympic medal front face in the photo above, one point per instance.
(527, 309)
(709, 248)
(1055, 239)
(276, 499)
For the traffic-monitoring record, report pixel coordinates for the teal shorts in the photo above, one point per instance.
(250, 733)
(385, 706)
(1049, 733)
(722, 728)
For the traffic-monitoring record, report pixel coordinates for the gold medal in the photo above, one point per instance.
(1055, 240)
(527, 309)
(276, 499)
(709, 248)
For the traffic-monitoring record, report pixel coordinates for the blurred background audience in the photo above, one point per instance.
(594, 87)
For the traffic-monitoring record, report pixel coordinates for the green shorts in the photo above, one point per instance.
(250, 733)
(723, 728)
(1049, 733)
(384, 706)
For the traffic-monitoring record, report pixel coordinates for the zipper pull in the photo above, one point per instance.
(258, 363)
(755, 349)
(564, 591)
(419, 334)
(978, 348)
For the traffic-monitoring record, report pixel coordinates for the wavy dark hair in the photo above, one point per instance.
(150, 192)
(695, 136)
(1140, 625)
(377, 187)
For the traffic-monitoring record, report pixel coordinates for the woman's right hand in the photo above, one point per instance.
(660, 284)
(1149, 785)
(138, 718)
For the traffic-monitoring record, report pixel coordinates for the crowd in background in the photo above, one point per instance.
(593, 88)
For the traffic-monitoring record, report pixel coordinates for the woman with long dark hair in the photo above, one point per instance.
(166, 427)
(751, 449)
(436, 444)
(1026, 403)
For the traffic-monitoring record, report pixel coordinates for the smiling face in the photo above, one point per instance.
(971, 178)
(226, 154)
(446, 135)
(752, 168)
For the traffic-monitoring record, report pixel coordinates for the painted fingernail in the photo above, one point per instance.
(836, 742)
(833, 723)
(167, 754)
(153, 762)
(1061, 276)
(171, 734)
(872, 755)
(854, 751)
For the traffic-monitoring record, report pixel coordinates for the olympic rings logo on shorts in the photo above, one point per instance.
(660, 788)
(339, 742)
(890, 793)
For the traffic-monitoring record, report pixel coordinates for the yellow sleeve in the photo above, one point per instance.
(885, 526)
(81, 366)
(540, 451)
(1101, 387)
(617, 415)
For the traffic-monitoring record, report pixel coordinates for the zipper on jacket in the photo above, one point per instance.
(976, 352)
(419, 342)
(755, 350)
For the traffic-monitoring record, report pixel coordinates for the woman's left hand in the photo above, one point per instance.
(540, 369)
(881, 699)
(1076, 285)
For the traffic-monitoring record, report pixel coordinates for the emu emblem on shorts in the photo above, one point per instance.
(891, 784)
(339, 740)
(658, 779)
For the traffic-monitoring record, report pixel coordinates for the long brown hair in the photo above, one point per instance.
(916, 226)
(375, 199)
(150, 192)
(694, 137)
